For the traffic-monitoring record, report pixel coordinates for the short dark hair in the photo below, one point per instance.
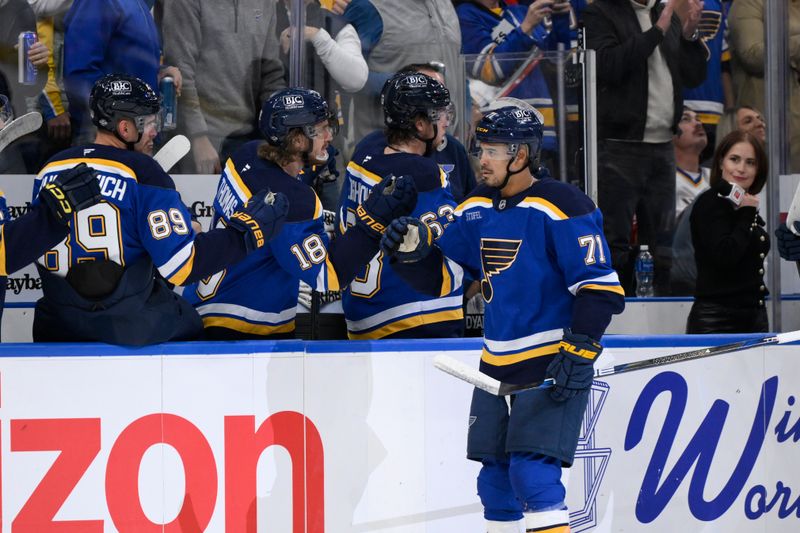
(725, 145)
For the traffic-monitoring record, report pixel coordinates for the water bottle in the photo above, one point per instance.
(644, 273)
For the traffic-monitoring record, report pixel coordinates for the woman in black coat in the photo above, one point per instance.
(730, 242)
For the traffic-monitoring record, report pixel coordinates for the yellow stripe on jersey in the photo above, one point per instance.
(333, 279)
(244, 326)
(446, 280)
(480, 201)
(3, 271)
(708, 118)
(362, 172)
(488, 73)
(548, 115)
(555, 529)
(408, 323)
(238, 179)
(726, 55)
(317, 206)
(510, 359)
(179, 277)
(91, 161)
(548, 206)
(610, 288)
(442, 177)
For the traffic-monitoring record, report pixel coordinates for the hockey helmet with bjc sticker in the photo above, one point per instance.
(513, 126)
(293, 108)
(118, 96)
(405, 96)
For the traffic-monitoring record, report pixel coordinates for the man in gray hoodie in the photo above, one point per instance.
(227, 51)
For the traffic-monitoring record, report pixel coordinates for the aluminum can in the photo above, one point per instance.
(26, 69)
(169, 104)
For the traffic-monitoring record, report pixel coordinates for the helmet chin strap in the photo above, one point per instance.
(130, 146)
(428, 142)
(510, 172)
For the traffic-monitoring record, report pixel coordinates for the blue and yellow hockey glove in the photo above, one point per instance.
(261, 218)
(390, 199)
(73, 189)
(572, 368)
(788, 242)
(407, 240)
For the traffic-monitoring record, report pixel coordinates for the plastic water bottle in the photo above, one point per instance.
(644, 273)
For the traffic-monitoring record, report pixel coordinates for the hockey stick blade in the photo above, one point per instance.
(15, 129)
(172, 152)
(492, 386)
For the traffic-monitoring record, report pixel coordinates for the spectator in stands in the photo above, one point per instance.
(228, 54)
(56, 133)
(111, 37)
(335, 67)
(16, 16)
(746, 19)
(730, 241)
(744, 118)
(690, 181)
(642, 69)
(496, 34)
(394, 34)
(689, 142)
(715, 94)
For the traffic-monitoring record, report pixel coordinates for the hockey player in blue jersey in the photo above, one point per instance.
(378, 304)
(537, 246)
(257, 298)
(106, 280)
(25, 238)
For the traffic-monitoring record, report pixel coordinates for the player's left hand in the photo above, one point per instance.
(261, 218)
(73, 189)
(572, 367)
(407, 240)
(788, 242)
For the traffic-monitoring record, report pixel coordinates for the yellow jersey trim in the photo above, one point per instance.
(243, 326)
(3, 271)
(238, 179)
(408, 323)
(546, 204)
(89, 160)
(505, 360)
(365, 173)
(610, 288)
(179, 277)
(333, 279)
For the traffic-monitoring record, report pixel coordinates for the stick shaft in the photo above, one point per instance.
(493, 386)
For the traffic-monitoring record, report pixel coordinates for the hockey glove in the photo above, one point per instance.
(388, 200)
(74, 189)
(407, 240)
(788, 242)
(261, 218)
(573, 366)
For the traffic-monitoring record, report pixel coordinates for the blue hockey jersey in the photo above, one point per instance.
(141, 215)
(544, 265)
(258, 295)
(707, 100)
(377, 302)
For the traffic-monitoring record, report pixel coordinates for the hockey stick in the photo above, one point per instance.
(15, 129)
(477, 378)
(172, 152)
(521, 73)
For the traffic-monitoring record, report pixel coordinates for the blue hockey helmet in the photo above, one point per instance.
(117, 96)
(408, 94)
(513, 126)
(293, 108)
